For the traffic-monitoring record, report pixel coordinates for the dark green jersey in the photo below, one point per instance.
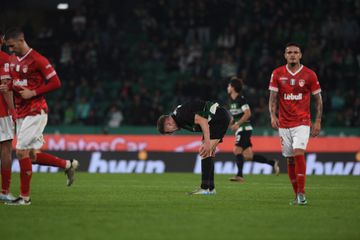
(184, 114)
(237, 108)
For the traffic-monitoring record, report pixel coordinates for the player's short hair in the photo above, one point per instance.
(161, 123)
(237, 83)
(14, 33)
(292, 44)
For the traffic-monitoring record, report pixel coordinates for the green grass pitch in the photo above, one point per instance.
(131, 206)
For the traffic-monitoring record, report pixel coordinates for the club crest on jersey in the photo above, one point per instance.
(292, 82)
(25, 69)
(302, 82)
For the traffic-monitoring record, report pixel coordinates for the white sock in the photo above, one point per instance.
(68, 164)
(25, 198)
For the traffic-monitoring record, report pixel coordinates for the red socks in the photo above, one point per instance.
(26, 169)
(5, 180)
(300, 170)
(50, 160)
(25, 176)
(292, 176)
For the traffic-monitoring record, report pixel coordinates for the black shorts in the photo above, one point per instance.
(243, 139)
(219, 123)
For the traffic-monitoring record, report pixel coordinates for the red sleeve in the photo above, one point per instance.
(273, 86)
(314, 83)
(49, 73)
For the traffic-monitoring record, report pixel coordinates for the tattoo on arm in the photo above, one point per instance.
(318, 106)
(273, 103)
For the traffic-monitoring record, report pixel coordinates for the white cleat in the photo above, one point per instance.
(6, 197)
(19, 201)
(200, 191)
(301, 199)
(70, 172)
(212, 192)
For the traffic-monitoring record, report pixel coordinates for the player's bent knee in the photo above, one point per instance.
(6, 149)
(248, 158)
(32, 155)
(237, 151)
(248, 154)
(20, 154)
(299, 151)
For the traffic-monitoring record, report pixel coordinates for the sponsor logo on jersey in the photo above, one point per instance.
(236, 111)
(20, 82)
(292, 82)
(302, 82)
(17, 68)
(290, 96)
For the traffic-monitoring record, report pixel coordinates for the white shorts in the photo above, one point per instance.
(29, 131)
(6, 128)
(293, 138)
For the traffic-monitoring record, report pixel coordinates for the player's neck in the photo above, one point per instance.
(234, 95)
(294, 67)
(25, 50)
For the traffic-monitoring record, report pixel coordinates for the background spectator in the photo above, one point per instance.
(150, 55)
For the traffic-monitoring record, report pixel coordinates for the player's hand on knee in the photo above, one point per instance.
(234, 127)
(205, 149)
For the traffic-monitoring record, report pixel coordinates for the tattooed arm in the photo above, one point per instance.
(273, 109)
(315, 129)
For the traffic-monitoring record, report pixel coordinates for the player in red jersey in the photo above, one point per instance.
(31, 77)
(6, 128)
(291, 86)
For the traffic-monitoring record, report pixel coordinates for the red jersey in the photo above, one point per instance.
(294, 94)
(4, 73)
(31, 71)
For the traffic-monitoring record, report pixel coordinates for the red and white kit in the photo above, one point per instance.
(294, 93)
(31, 71)
(6, 123)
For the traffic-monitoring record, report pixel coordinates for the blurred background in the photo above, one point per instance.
(123, 63)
